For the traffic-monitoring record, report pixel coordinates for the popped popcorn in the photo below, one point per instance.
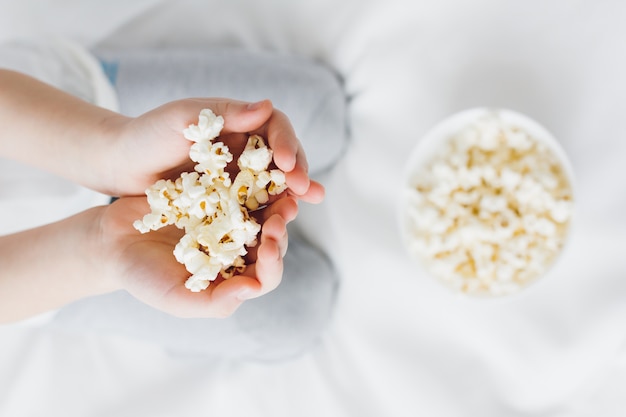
(213, 210)
(490, 212)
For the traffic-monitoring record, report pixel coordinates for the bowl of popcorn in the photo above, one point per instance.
(487, 202)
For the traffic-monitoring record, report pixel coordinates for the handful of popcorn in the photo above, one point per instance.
(490, 211)
(214, 210)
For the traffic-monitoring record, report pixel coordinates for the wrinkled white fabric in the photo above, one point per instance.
(401, 345)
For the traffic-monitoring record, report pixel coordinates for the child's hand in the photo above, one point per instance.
(152, 146)
(122, 156)
(144, 265)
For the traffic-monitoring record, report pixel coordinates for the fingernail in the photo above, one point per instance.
(256, 106)
(246, 294)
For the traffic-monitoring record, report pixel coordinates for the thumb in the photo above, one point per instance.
(240, 116)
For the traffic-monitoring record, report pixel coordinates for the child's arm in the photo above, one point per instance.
(98, 251)
(119, 155)
(47, 267)
(45, 127)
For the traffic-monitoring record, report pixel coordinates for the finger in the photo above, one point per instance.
(281, 138)
(297, 178)
(275, 228)
(314, 194)
(220, 299)
(285, 206)
(274, 219)
(241, 116)
(268, 268)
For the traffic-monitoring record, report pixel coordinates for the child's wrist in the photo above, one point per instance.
(96, 254)
(107, 154)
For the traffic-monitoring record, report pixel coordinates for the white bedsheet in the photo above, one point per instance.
(400, 344)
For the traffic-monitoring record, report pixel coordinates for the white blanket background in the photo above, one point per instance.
(400, 344)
